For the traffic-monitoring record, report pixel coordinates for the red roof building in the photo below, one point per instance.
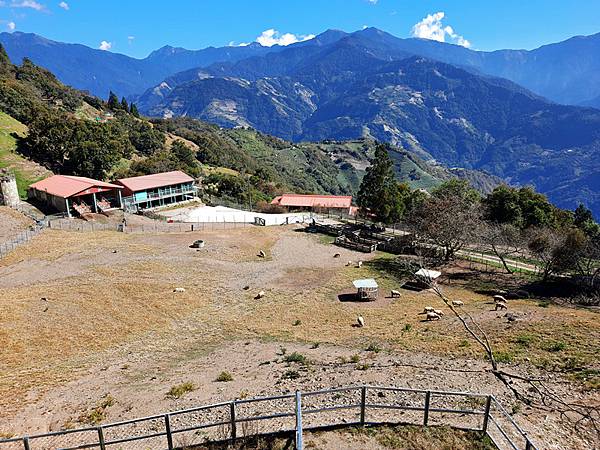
(66, 192)
(314, 202)
(159, 189)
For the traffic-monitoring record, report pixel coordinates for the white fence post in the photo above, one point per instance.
(299, 443)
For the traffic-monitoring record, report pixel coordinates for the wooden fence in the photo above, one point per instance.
(291, 415)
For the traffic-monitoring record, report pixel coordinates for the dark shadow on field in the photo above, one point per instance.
(349, 297)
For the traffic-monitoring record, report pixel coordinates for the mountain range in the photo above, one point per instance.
(567, 72)
(503, 112)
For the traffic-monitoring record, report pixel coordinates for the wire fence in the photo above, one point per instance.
(21, 238)
(292, 414)
(150, 227)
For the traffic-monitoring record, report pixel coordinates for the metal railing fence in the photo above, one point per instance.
(292, 413)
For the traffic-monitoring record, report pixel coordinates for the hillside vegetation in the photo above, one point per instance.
(69, 132)
(26, 171)
(368, 85)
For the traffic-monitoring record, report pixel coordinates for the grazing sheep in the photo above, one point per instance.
(427, 309)
(260, 295)
(262, 254)
(179, 290)
(499, 299)
(457, 303)
(500, 305)
(359, 265)
(360, 321)
(349, 263)
(433, 316)
(395, 293)
(246, 287)
(337, 255)
(439, 312)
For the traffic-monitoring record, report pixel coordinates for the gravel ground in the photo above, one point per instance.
(113, 329)
(12, 223)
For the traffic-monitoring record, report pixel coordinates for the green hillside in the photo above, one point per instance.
(26, 171)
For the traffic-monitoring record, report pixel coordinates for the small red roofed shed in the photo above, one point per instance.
(314, 202)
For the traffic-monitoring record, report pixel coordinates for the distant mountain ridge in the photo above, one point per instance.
(99, 71)
(355, 87)
(566, 72)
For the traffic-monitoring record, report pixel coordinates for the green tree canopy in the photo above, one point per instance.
(380, 195)
(523, 208)
(113, 101)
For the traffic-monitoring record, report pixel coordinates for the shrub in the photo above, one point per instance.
(296, 358)
(180, 390)
(224, 377)
(373, 348)
(297, 322)
(268, 208)
(464, 343)
(503, 357)
(556, 346)
(363, 366)
(98, 414)
(291, 375)
(315, 345)
(407, 327)
(355, 358)
(524, 339)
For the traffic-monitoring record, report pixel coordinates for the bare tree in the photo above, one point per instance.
(505, 240)
(558, 251)
(447, 221)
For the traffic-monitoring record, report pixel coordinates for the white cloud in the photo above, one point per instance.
(11, 26)
(431, 27)
(373, 2)
(104, 45)
(64, 5)
(271, 37)
(130, 39)
(28, 4)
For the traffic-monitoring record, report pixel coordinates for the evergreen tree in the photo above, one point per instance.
(113, 101)
(5, 65)
(380, 195)
(134, 110)
(124, 104)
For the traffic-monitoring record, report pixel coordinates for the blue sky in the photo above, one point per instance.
(138, 27)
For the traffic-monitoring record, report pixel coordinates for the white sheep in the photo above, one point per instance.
(262, 254)
(439, 312)
(457, 303)
(179, 289)
(360, 321)
(500, 305)
(260, 295)
(427, 309)
(359, 265)
(349, 263)
(433, 316)
(395, 293)
(499, 299)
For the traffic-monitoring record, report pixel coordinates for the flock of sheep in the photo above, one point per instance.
(430, 313)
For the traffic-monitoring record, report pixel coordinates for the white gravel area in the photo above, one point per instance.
(223, 214)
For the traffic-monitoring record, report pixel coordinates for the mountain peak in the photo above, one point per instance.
(329, 36)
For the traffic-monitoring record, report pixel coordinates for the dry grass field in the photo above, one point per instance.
(84, 316)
